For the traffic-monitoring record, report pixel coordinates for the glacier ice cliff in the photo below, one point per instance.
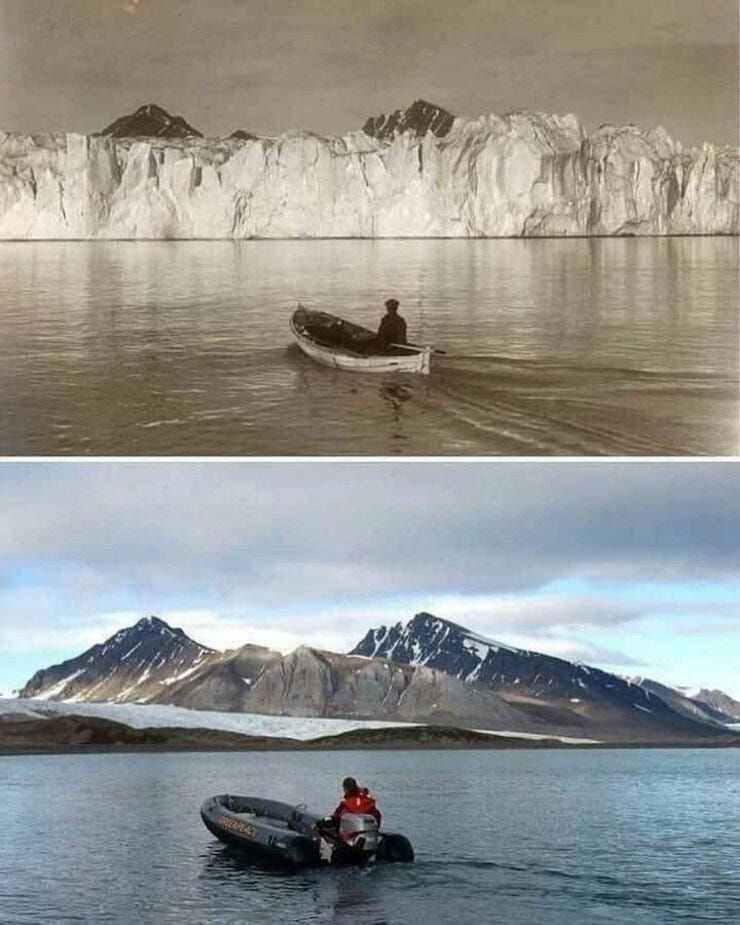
(521, 174)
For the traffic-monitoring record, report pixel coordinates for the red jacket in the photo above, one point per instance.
(360, 803)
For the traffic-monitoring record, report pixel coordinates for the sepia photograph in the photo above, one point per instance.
(411, 227)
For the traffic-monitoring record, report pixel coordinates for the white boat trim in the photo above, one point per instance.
(339, 358)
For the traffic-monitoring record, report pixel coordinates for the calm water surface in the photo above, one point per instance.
(511, 837)
(602, 346)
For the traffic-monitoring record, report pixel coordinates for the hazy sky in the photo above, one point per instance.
(633, 567)
(325, 65)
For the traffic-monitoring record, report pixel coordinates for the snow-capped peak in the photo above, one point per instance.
(133, 663)
(419, 119)
(443, 645)
(151, 120)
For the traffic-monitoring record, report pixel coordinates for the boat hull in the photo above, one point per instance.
(285, 835)
(396, 360)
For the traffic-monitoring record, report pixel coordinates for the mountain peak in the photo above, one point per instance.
(720, 702)
(151, 620)
(132, 664)
(154, 623)
(424, 618)
(420, 118)
(431, 668)
(152, 110)
(421, 640)
(551, 688)
(151, 121)
(241, 135)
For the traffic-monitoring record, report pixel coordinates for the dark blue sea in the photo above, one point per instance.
(617, 836)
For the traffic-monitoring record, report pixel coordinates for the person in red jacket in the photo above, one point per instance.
(356, 799)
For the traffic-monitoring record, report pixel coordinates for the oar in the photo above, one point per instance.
(455, 356)
(420, 349)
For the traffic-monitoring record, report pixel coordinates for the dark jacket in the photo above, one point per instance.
(392, 330)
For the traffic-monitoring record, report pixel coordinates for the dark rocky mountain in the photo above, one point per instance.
(565, 694)
(151, 121)
(136, 664)
(429, 671)
(153, 663)
(437, 643)
(681, 703)
(720, 702)
(241, 135)
(420, 118)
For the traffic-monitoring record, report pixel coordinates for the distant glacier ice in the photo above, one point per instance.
(142, 716)
(522, 174)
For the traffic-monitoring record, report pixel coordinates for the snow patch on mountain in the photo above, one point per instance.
(57, 688)
(549, 689)
(182, 674)
(133, 663)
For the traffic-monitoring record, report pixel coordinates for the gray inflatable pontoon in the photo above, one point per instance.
(290, 835)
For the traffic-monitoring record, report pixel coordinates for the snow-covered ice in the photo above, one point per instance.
(144, 715)
(292, 727)
(524, 173)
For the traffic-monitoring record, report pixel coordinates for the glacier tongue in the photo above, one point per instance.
(523, 173)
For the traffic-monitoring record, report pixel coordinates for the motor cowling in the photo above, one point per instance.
(359, 831)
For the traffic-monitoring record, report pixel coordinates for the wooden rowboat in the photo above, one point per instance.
(334, 342)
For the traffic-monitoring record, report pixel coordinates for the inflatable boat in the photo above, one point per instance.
(335, 342)
(290, 835)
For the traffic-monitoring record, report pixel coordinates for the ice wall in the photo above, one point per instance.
(524, 173)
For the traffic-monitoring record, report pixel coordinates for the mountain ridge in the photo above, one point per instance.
(136, 660)
(429, 671)
(420, 119)
(532, 681)
(151, 121)
(718, 701)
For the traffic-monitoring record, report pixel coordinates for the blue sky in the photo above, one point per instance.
(634, 567)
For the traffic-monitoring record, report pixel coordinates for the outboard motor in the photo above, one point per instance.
(359, 833)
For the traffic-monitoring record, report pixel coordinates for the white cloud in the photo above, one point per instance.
(544, 609)
(72, 636)
(296, 553)
(575, 650)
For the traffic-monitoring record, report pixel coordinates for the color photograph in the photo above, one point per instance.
(524, 694)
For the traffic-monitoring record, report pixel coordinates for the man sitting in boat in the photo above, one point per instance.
(356, 801)
(392, 328)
